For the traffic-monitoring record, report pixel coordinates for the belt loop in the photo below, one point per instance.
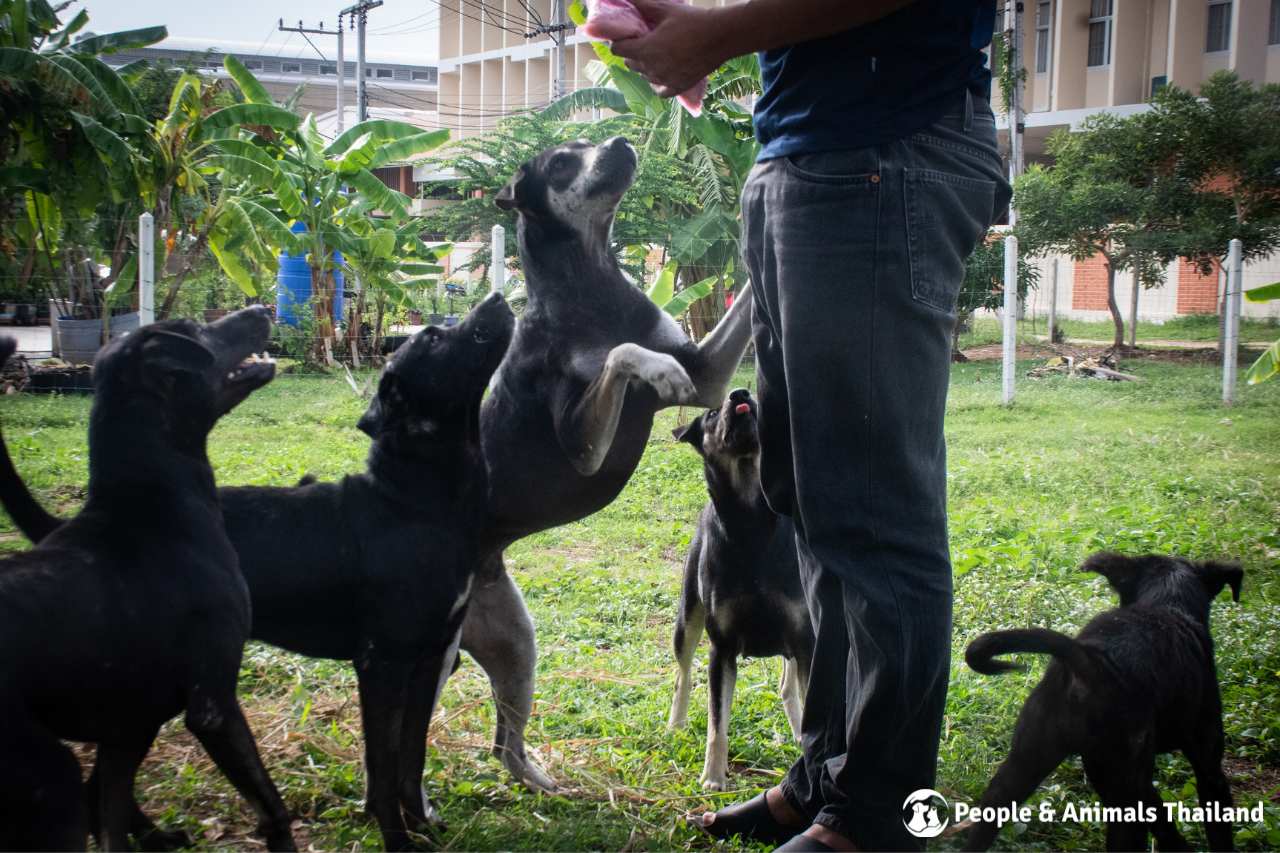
(968, 110)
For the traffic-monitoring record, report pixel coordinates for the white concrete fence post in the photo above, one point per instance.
(1010, 334)
(146, 269)
(1231, 340)
(498, 259)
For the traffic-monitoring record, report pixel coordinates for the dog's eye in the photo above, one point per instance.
(713, 414)
(481, 335)
(559, 163)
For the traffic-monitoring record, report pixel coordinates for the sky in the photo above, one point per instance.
(398, 31)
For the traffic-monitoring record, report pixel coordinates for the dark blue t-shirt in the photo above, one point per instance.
(875, 83)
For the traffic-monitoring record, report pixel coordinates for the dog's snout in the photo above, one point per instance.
(739, 395)
(617, 142)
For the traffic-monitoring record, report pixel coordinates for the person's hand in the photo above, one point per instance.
(681, 50)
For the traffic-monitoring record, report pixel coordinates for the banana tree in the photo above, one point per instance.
(69, 142)
(329, 188)
(394, 266)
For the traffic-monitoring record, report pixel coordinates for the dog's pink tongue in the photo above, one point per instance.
(743, 408)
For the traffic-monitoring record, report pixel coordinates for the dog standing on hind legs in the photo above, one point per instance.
(570, 412)
(1136, 681)
(741, 581)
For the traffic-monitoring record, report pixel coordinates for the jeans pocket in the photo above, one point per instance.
(859, 166)
(946, 216)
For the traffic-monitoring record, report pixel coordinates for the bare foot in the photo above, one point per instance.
(779, 808)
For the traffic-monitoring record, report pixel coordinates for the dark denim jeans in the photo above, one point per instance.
(856, 259)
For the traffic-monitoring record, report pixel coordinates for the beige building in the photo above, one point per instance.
(489, 69)
(1086, 56)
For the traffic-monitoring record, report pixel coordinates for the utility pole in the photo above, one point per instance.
(558, 29)
(321, 31)
(342, 78)
(1017, 123)
(360, 14)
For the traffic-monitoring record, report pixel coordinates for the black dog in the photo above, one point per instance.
(571, 409)
(134, 610)
(741, 580)
(1137, 680)
(377, 568)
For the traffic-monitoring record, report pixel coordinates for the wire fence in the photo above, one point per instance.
(1064, 310)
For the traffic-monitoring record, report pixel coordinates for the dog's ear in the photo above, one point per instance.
(508, 198)
(1215, 575)
(690, 433)
(1121, 572)
(171, 352)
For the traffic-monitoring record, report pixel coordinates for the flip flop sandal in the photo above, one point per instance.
(751, 819)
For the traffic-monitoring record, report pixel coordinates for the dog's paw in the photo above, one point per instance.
(712, 784)
(667, 378)
(658, 370)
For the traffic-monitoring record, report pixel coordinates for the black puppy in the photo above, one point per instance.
(1137, 680)
(134, 610)
(377, 568)
(741, 581)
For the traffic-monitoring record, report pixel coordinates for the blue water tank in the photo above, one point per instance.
(293, 284)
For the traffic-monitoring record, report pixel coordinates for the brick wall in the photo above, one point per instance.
(1197, 293)
(1089, 284)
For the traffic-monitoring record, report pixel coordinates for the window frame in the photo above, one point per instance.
(1044, 30)
(1106, 21)
(1226, 26)
(328, 70)
(1273, 28)
(290, 67)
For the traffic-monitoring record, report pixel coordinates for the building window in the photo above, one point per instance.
(430, 77)
(291, 67)
(329, 69)
(1274, 37)
(253, 64)
(386, 73)
(1218, 36)
(1099, 33)
(1043, 17)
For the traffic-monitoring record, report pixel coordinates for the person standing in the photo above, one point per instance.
(878, 173)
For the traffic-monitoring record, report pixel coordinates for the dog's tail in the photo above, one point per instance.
(16, 499)
(981, 653)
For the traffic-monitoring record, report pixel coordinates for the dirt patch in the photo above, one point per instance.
(1247, 776)
(1180, 355)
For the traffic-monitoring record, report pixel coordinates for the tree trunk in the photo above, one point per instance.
(188, 264)
(1117, 342)
(1133, 310)
(322, 305)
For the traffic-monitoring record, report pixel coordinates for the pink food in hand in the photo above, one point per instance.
(615, 20)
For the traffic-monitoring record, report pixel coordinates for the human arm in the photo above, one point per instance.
(688, 43)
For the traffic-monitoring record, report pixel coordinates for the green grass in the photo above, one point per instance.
(1075, 466)
(1194, 328)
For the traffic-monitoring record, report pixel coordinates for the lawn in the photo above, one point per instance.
(1190, 329)
(1075, 466)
